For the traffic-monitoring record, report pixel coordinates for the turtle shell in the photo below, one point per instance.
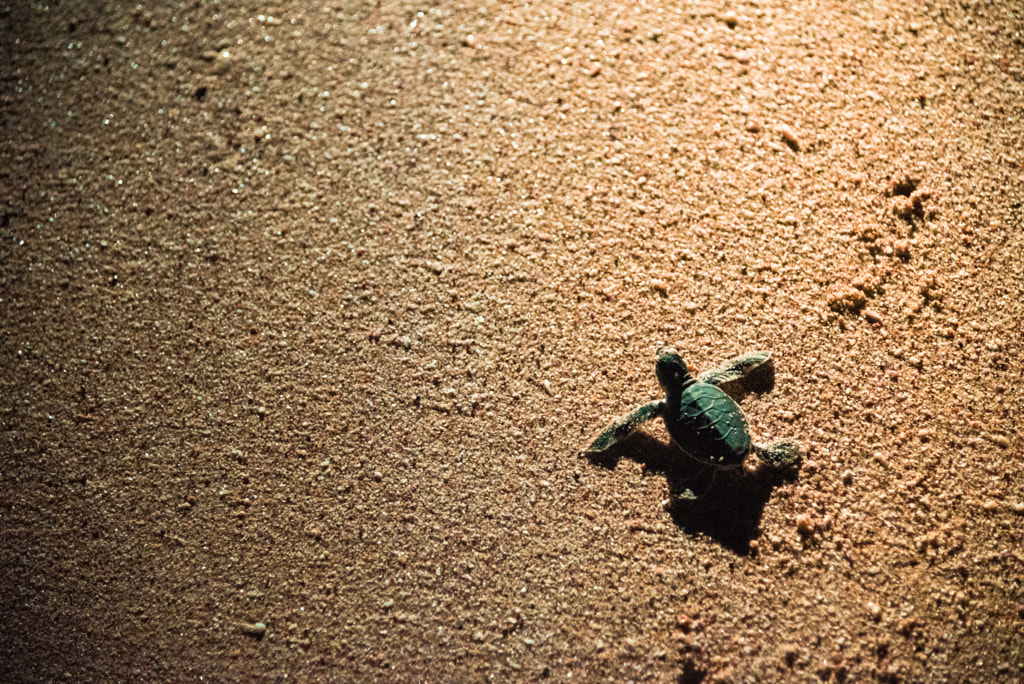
(709, 426)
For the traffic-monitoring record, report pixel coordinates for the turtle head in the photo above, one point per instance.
(673, 375)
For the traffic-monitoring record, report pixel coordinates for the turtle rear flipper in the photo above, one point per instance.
(625, 426)
(687, 494)
(737, 377)
(782, 454)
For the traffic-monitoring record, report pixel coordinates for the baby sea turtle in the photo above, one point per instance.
(701, 414)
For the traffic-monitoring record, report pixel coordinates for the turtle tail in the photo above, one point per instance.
(782, 454)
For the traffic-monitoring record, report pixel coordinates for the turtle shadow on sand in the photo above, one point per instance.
(730, 503)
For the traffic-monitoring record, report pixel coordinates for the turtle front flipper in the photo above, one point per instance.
(778, 455)
(625, 426)
(753, 372)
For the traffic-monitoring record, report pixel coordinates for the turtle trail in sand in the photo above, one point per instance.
(701, 414)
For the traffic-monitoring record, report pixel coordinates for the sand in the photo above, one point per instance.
(309, 310)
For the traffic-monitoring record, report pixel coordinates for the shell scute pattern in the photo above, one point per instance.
(710, 426)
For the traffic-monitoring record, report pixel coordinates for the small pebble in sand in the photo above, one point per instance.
(872, 316)
(685, 623)
(1000, 441)
(254, 629)
(804, 524)
(222, 63)
(901, 248)
(789, 137)
(874, 611)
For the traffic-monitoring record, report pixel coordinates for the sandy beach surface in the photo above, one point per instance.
(308, 312)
